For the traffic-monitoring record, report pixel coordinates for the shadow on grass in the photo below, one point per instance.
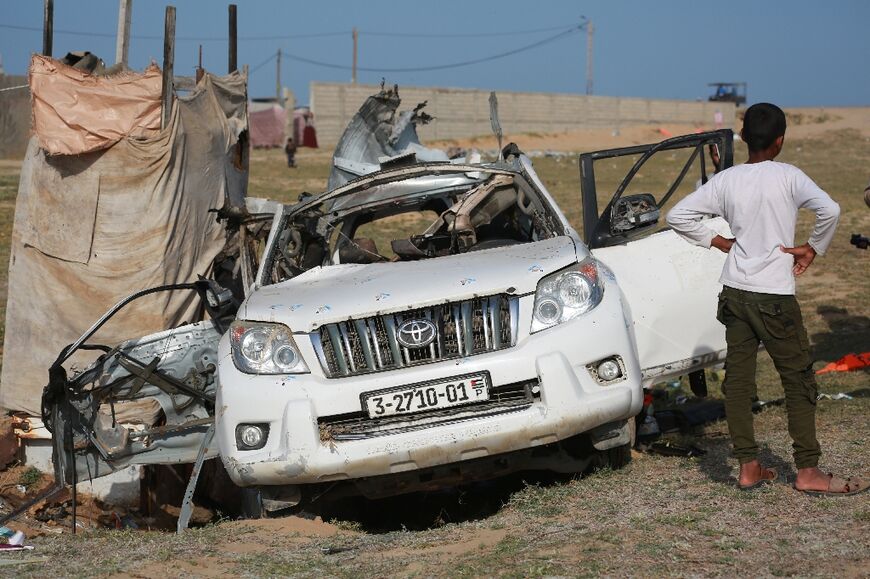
(427, 510)
(716, 465)
(848, 334)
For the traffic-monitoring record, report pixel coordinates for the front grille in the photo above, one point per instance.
(358, 425)
(464, 328)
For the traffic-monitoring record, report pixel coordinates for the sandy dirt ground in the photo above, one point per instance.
(802, 123)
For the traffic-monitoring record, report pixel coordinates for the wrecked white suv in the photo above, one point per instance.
(419, 325)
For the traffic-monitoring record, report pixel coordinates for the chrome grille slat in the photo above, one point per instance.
(372, 327)
(495, 315)
(363, 335)
(348, 350)
(485, 307)
(465, 328)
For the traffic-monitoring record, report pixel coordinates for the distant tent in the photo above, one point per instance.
(267, 126)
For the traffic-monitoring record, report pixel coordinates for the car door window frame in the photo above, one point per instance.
(596, 226)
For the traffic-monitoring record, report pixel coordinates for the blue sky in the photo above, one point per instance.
(793, 53)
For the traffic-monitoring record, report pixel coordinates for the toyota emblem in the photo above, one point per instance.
(416, 333)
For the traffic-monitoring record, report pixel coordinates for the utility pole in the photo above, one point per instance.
(47, 27)
(589, 33)
(233, 53)
(355, 39)
(278, 80)
(168, 66)
(122, 44)
(199, 70)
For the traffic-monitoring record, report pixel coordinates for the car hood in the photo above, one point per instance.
(328, 294)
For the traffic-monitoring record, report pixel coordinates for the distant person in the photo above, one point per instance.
(760, 202)
(290, 151)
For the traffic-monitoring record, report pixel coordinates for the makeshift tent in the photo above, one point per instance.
(267, 127)
(93, 227)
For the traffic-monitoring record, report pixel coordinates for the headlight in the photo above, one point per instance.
(260, 348)
(566, 294)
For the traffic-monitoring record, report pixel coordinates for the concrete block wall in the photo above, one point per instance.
(462, 113)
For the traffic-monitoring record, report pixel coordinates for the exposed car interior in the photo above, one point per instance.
(488, 212)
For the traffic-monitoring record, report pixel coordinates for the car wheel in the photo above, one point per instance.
(618, 456)
(252, 503)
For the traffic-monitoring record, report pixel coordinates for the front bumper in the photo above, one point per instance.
(570, 402)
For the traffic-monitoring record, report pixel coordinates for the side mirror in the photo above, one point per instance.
(633, 212)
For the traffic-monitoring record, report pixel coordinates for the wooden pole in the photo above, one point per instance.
(278, 80)
(122, 44)
(355, 42)
(48, 27)
(233, 57)
(168, 65)
(199, 71)
(589, 32)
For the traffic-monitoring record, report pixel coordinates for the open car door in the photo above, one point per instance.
(670, 286)
(150, 400)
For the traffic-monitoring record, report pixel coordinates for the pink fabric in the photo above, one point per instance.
(267, 127)
(77, 112)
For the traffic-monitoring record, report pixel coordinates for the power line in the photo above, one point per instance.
(261, 65)
(464, 34)
(438, 66)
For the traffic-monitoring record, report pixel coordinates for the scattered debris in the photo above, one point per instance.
(837, 396)
(847, 363)
(327, 550)
(670, 448)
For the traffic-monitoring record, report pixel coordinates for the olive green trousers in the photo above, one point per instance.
(774, 320)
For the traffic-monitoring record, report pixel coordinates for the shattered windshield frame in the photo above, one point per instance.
(492, 192)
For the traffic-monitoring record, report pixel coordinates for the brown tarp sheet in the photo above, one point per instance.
(78, 112)
(92, 228)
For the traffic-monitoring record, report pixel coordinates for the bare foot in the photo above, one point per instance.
(752, 474)
(813, 479)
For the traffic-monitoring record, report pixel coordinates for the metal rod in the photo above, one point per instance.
(122, 43)
(233, 44)
(168, 65)
(187, 502)
(48, 27)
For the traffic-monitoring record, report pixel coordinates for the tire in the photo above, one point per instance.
(619, 456)
(252, 503)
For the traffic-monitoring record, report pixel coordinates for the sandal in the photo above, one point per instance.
(850, 486)
(771, 476)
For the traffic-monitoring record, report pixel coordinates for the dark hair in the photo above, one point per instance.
(763, 123)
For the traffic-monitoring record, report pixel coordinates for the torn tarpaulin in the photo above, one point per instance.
(76, 112)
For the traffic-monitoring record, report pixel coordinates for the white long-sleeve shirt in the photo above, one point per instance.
(760, 202)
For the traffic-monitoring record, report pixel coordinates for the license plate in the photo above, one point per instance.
(433, 395)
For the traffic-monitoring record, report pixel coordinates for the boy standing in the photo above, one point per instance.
(760, 200)
(290, 151)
